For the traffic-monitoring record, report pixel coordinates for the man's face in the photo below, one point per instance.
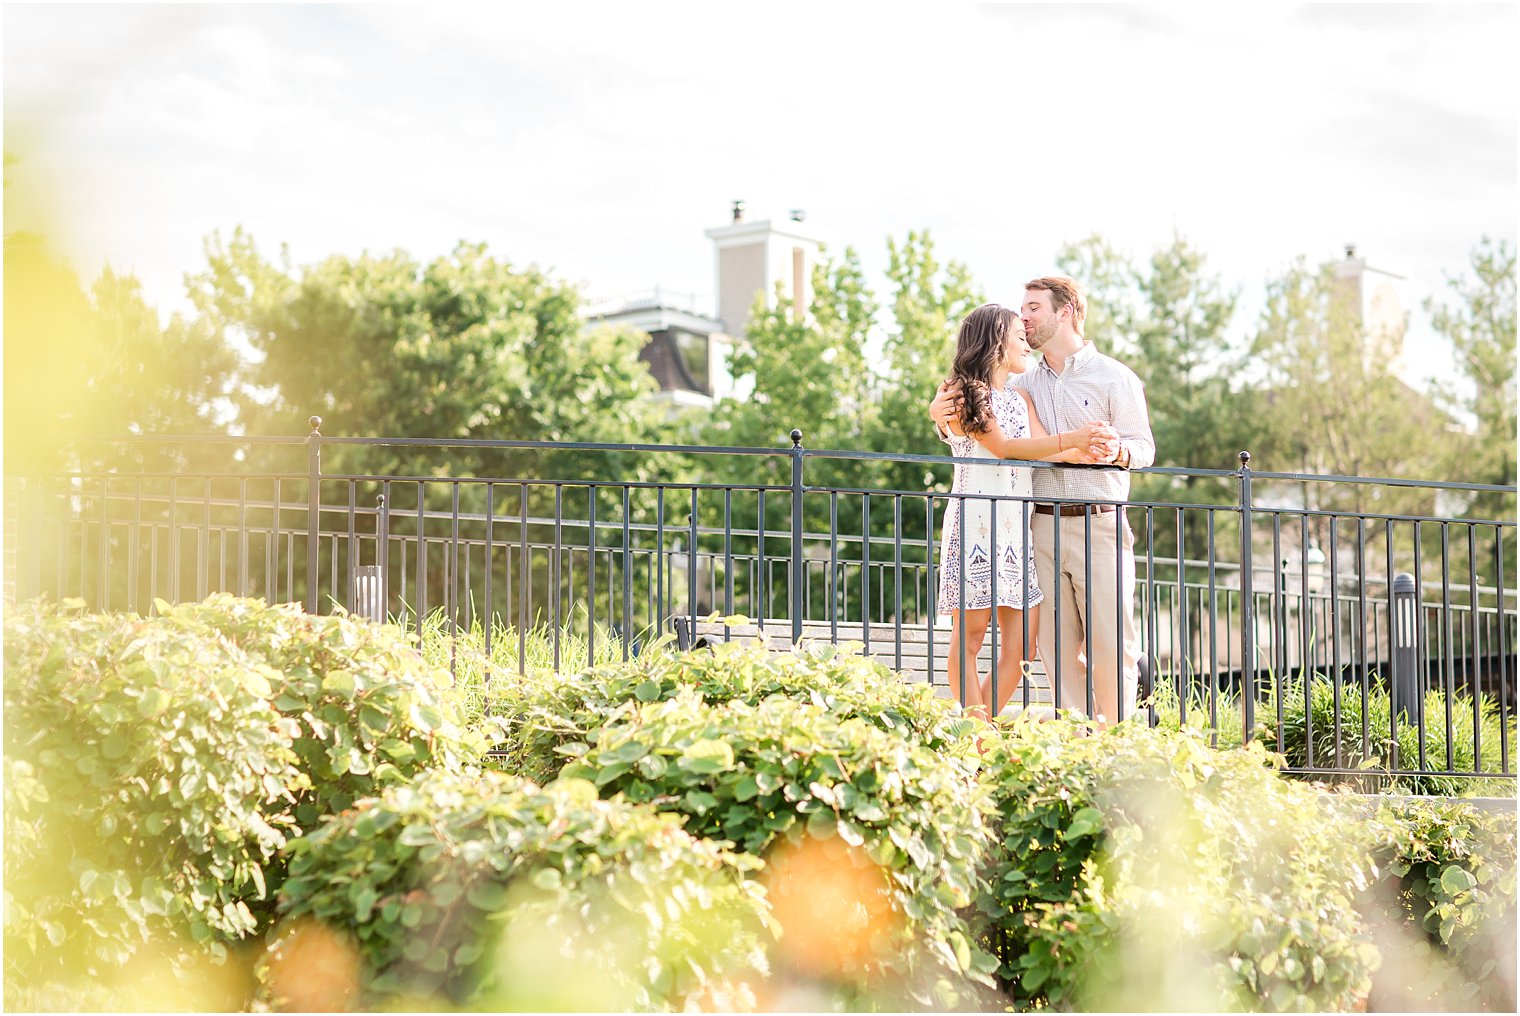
(1040, 318)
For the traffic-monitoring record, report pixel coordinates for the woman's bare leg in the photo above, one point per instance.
(972, 626)
(1012, 655)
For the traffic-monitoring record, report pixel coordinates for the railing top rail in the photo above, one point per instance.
(1385, 481)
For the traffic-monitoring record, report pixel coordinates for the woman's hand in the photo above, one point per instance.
(1096, 439)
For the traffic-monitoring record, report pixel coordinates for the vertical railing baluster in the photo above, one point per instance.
(105, 544)
(174, 539)
(691, 557)
(555, 593)
(797, 574)
(1361, 622)
(1214, 676)
(761, 581)
(897, 576)
(591, 574)
(1500, 591)
(1391, 676)
(421, 576)
(1474, 681)
(313, 509)
(489, 624)
(865, 574)
(728, 559)
(1247, 605)
(1422, 662)
(834, 566)
(1306, 652)
(353, 549)
(627, 574)
(1335, 636)
(1448, 658)
(525, 578)
(134, 545)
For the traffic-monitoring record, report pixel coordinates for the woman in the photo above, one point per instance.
(982, 552)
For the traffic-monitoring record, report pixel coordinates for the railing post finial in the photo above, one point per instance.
(796, 438)
(316, 426)
(1245, 460)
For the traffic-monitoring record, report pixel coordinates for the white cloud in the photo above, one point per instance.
(600, 139)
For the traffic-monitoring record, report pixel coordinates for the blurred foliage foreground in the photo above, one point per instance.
(230, 805)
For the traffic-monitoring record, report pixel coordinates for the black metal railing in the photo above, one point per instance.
(1271, 604)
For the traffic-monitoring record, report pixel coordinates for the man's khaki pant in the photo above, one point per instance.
(1070, 617)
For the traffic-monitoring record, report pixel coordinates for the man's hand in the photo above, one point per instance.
(946, 406)
(1110, 452)
(1096, 439)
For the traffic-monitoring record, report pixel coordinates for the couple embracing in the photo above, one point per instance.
(1075, 405)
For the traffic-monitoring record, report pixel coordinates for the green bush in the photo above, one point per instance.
(149, 783)
(1449, 883)
(161, 763)
(482, 672)
(372, 711)
(545, 711)
(482, 890)
(793, 772)
(1144, 865)
(1291, 742)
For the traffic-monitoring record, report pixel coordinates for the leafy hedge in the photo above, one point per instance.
(1144, 864)
(1291, 738)
(787, 771)
(1449, 884)
(482, 890)
(157, 766)
(544, 711)
(166, 778)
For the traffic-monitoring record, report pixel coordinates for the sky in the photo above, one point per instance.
(598, 141)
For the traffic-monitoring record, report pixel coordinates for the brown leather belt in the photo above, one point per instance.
(1068, 510)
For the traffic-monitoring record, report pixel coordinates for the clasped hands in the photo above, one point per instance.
(1092, 443)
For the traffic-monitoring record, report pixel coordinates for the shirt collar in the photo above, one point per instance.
(1084, 353)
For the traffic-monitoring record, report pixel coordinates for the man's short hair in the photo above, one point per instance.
(1063, 290)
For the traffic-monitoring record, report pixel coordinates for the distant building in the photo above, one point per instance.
(691, 339)
(1378, 300)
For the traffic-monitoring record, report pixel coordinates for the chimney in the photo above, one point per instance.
(752, 256)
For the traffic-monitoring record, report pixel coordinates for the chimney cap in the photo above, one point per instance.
(798, 214)
(1350, 251)
(738, 210)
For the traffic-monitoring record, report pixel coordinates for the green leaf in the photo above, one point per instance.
(1457, 879)
(340, 683)
(487, 896)
(707, 756)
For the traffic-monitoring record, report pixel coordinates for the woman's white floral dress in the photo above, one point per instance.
(1017, 586)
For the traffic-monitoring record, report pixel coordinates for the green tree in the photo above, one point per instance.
(1478, 318)
(98, 362)
(808, 373)
(1331, 404)
(466, 346)
(1112, 285)
(929, 300)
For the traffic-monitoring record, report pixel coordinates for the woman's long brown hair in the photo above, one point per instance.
(978, 352)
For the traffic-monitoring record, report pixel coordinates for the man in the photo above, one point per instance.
(1084, 626)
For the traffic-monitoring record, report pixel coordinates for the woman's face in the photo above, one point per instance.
(1016, 349)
